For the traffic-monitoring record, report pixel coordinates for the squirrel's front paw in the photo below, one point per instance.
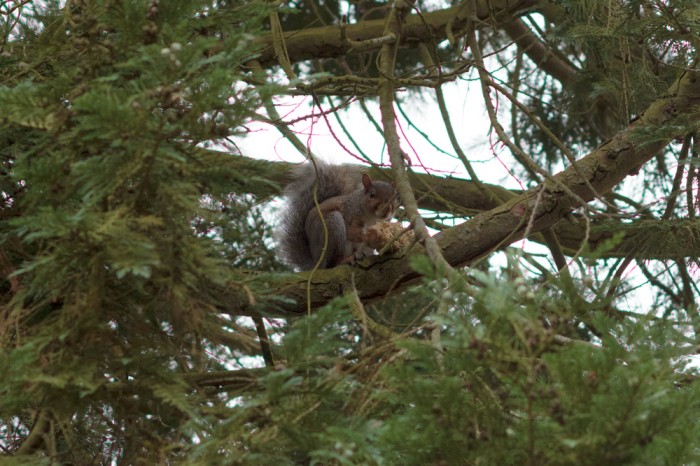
(357, 256)
(353, 259)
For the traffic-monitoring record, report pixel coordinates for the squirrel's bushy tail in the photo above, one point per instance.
(333, 180)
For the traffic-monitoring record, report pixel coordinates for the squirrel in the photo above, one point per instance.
(350, 202)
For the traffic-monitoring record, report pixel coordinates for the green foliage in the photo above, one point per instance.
(104, 106)
(614, 48)
(503, 387)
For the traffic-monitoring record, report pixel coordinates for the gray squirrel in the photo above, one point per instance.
(350, 202)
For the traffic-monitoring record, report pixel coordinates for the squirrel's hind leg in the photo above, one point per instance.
(338, 247)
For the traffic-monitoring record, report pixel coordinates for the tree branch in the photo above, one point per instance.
(461, 197)
(329, 42)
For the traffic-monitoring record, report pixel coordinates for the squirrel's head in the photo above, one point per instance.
(380, 198)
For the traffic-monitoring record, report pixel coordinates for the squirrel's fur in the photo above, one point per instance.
(350, 203)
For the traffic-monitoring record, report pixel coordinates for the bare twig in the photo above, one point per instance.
(387, 62)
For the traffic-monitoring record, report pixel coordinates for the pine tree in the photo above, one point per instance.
(146, 319)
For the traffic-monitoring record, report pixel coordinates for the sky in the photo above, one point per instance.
(466, 111)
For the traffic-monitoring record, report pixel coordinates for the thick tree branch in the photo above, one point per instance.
(464, 198)
(328, 42)
(603, 168)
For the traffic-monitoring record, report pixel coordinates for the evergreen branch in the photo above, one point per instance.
(675, 188)
(539, 52)
(37, 434)
(358, 310)
(360, 86)
(347, 133)
(18, 4)
(693, 174)
(276, 120)
(239, 380)
(279, 46)
(486, 82)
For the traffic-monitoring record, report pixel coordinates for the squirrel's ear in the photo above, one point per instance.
(366, 181)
